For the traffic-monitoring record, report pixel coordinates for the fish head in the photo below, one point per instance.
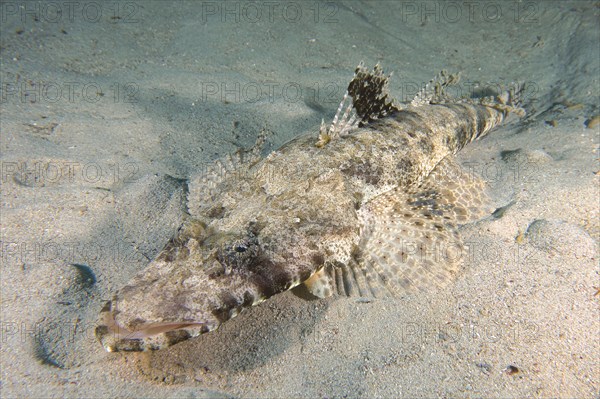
(194, 285)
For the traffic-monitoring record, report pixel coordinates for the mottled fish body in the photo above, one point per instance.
(370, 207)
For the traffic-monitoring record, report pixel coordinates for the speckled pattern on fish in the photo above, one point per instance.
(368, 206)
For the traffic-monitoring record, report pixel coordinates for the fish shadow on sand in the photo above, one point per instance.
(244, 343)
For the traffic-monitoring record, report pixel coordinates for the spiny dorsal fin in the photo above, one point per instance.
(370, 100)
(341, 125)
(370, 96)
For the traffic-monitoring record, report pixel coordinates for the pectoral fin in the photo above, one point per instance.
(409, 240)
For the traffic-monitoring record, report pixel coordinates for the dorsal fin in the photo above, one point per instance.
(508, 100)
(370, 96)
(370, 101)
(435, 91)
(205, 185)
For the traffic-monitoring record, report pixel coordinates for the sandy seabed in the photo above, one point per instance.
(102, 104)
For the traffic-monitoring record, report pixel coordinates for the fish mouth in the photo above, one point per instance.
(152, 336)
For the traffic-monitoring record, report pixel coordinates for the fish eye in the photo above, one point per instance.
(240, 248)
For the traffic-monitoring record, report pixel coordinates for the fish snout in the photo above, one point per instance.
(148, 336)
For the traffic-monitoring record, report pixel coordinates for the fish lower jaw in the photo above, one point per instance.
(115, 338)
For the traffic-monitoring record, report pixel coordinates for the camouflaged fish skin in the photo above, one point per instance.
(331, 211)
